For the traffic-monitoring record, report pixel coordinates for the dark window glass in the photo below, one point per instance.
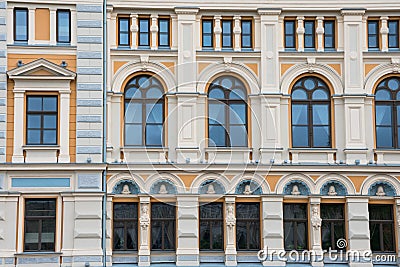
(381, 226)
(144, 112)
(311, 113)
(227, 34)
(373, 34)
(41, 120)
(21, 24)
(333, 225)
(123, 31)
(387, 113)
(125, 224)
(207, 36)
(163, 33)
(329, 34)
(309, 34)
(63, 26)
(227, 113)
(40, 224)
(144, 32)
(211, 227)
(393, 33)
(247, 34)
(295, 226)
(248, 226)
(290, 34)
(162, 226)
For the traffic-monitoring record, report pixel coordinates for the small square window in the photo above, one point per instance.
(63, 26)
(123, 31)
(21, 24)
(207, 33)
(163, 33)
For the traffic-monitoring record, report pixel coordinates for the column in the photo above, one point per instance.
(18, 154)
(269, 28)
(384, 34)
(217, 32)
(230, 232)
(10, 27)
(8, 225)
(300, 34)
(134, 29)
(272, 225)
(53, 25)
(68, 226)
(154, 31)
(340, 29)
(144, 249)
(64, 126)
(73, 28)
(317, 259)
(31, 28)
(112, 31)
(397, 224)
(187, 252)
(174, 33)
(237, 30)
(358, 228)
(320, 34)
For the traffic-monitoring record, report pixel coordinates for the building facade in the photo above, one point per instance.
(148, 133)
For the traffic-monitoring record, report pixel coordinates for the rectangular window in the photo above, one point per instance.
(162, 226)
(290, 34)
(309, 34)
(63, 26)
(144, 32)
(248, 226)
(211, 227)
(227, 35)
(40, 225)
(333, 224)
(21, 24)
(393, 33)
(381, 227)
(373, 34)
(207, 33)
(163, 32)
(295, 226)
(125, 224)
(329, 34)
(41, 120)
(123, 31)
(247, 34)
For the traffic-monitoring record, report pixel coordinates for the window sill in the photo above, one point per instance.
(387, 156)
(40, 147)
(38, 253)
(39, 154)
(144, 154)
(238, 155)
(313, 155)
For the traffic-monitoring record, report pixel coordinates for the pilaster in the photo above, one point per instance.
(320, 34)
(300, 34)
(384, 31)
(144, 232)
(230, 232)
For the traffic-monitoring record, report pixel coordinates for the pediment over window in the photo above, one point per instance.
(41, 69)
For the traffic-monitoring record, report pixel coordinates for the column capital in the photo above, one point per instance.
(134, 16)
(319, 18)
(186, 10)
(269, 11)
(230, 199)
(144, 199)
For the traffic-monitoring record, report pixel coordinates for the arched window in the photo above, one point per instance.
(144, 112)
(227, 113)
(387, 113)
(311, 109)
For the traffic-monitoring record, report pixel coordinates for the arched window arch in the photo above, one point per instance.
(144, 111)
(387, 113)
(311, 113)
(227, 113)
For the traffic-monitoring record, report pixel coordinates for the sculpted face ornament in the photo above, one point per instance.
(163, 189)
(125, 190)
(380, 192)
(315, 219)
(144, 217)
(247, 190)
(295, 190)
(210, 189)
(332, 191)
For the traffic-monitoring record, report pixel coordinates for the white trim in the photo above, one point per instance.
(365, 186)
(283, 181)
(351, 190)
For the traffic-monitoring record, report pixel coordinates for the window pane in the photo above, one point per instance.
(163, 39)
(50, 121)
(124, 31)
(207, 41)
(50, 103)
(48, 234)
(309, 34)
(133, 112)
(49, 137)
(393, 84)
(320, 94)
(211, 211)
(299, 114)
(217, 136)
(133, 135)
(299, 94)
(248, 226)
(320, 114)
(216, 93)
(295, 211)
(63, 24)
(154, 113)
(21, 25)
(34, 121)
(382, 94)
(237, 113)
(372, 41)
(383, 115)
(143, 39)
(321, 136)
(31, 235)
(372, 27)
(300, 136)
(163, 226)
(34, 103)
(154, 135)
(384, 137)
(216, 113)
(237, 93)
(125, 211)
(33, 137)
(238, 136)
